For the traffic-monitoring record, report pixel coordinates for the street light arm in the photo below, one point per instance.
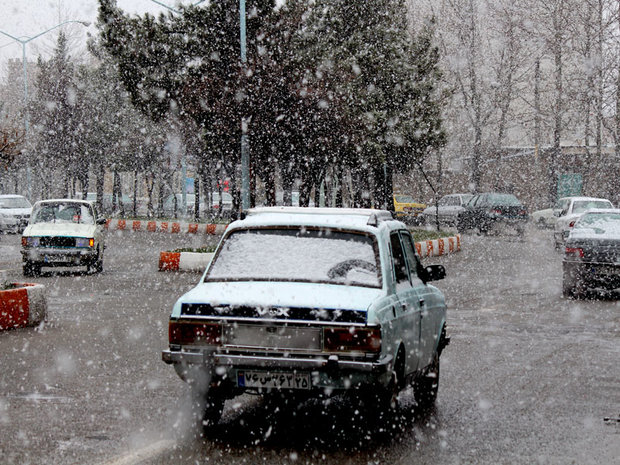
(83, 23)
(12, 37)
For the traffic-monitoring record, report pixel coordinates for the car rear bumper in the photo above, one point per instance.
(326, 371)
(594, 273)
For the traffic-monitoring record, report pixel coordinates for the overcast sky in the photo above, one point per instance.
(27, 18)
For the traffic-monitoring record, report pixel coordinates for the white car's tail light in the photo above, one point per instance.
(574, 252)
(187, 333)
(352, 339)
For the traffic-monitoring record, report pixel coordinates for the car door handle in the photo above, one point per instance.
(421, 300)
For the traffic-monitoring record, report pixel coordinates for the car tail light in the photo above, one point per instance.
(575, 252)
(522, 212)
(185, 332)
(24, 241)
(352, 339)
(572, 223)
(495, 211)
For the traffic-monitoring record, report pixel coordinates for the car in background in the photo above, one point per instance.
(592, 253)
(63, 232)
(491, 211)
(407, 209)
(447, 209)
(571, 208)
(311, 302)
(14, 213)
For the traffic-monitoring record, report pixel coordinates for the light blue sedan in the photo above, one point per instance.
(311, 302)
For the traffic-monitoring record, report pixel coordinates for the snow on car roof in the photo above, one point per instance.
(65, 200)
(362, 218)
(585, 198)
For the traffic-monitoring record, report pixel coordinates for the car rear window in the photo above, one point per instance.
(581, 206)
(299, 254)
(504, 199)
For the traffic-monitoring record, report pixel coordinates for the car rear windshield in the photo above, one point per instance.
(404, 198)
(600, 222)
(62, 212)
(504, 199)
(299, 254)
(581, 206)
(14, 202)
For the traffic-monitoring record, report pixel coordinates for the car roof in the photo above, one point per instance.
(363, 219)
(11, 196)
(86, 202)
(585, 198)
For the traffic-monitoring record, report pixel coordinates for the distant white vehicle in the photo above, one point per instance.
(14, 213)
(545, 218)
(570, 210)
(447, 209)
(63, 232)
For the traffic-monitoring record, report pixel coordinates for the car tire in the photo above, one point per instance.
(573, 286)
(425, 387)
(96, 266)
(31, 269)
(212, 412)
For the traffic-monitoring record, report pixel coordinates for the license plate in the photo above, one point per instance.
(273, 380)
(54, 259)
(607, 270)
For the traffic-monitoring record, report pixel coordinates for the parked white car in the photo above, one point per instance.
(63, 232)
(14, 213)
(447, 209)
(302, 302)
(570, 210)
(545, 218)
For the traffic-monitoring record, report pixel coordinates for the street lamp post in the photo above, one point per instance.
(245, 152)
(23, 40)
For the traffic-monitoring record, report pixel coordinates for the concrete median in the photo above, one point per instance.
(22, 305)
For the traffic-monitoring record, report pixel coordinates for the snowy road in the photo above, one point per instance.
(528, 378)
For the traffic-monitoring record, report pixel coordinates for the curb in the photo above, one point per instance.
(184, 261)
(437, 247)
(195, 261)
(22, 306)
(165, 226)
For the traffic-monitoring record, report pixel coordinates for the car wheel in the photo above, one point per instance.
(95, 266)
(572, 285)
(426, 386)
(213, 408)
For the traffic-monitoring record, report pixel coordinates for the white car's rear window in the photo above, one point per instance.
(306, 255)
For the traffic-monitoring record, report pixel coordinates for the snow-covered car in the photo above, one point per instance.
(14, 213)
(545, 218)
(447, 209)
(571, 208)
(592, 253)
(63, 232)
(306, 302)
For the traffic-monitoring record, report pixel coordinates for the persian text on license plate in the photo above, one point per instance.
(273, 380)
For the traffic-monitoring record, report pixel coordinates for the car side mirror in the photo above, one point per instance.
(433, 273)
(101, 220)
